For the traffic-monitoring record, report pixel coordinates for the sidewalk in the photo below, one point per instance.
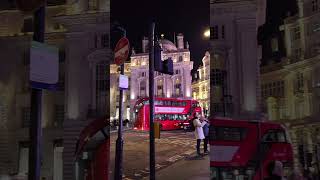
(196, 169)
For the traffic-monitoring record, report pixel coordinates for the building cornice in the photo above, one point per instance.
(99, 55)
(302, 64)
(232, 7)
(84, 19)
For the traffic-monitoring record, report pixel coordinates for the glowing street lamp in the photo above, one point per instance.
(206, 33)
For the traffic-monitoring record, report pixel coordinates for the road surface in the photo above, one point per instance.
(172, 147)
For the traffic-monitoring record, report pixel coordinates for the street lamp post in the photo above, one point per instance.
(36, 95)
(119, 142)
(151, 99)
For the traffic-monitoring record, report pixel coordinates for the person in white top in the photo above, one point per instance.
(198, 131)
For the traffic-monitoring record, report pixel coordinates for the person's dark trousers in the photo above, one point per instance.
(198, 146)
(206, 142)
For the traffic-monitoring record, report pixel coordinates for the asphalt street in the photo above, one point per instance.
(172, 147)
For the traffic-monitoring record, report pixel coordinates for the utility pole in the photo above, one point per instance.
(36, 94)
(151, 99)
(119, 142)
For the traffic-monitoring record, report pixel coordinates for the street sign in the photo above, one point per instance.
(123, 81)
(121, 52)
(44, 66)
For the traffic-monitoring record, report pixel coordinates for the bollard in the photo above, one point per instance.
(157, 130)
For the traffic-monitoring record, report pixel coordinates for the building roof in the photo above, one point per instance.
(167, 45)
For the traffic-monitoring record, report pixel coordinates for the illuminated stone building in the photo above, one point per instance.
(80, 29)
(234, 57)
(290, 86)
(176, 86)
(115, 93)
(201, 84)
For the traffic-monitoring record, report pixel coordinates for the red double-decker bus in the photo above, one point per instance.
(242, 149)
(172, 113)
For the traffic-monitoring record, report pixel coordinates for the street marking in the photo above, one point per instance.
(136, 174)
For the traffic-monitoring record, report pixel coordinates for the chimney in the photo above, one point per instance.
(145, 44)
(187, 45)
(180, 41)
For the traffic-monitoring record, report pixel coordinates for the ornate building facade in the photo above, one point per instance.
(290, 87)
(201, 84)
(115, 93)
(235, 55)
(176, 86)
(81, 32)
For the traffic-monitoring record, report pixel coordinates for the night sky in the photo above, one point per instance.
(189, 17)
(180, 16)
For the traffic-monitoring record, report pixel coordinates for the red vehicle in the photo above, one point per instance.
(242, 149)
(92, 151)
(170, 112)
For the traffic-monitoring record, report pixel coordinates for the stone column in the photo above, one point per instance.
(76, 6)
(289, 96)
(307, 91)
(294, 140)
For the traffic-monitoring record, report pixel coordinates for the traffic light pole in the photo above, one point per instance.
(119, 142)
(151, 100)
(36, 94)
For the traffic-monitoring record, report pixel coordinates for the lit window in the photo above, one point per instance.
(23, 158)
(214, 32)
(274, 45)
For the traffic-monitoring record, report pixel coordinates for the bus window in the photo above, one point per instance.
(274, 136)
(281, 136)
(228, 133)
(270, 137)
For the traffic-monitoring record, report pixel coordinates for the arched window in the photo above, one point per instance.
(177, 87)
(143, 88)
(160, 92)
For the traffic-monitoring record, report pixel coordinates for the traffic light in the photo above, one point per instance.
(166, 66)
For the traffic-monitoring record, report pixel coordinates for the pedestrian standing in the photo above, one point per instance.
(198, 131)
(206, 134)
